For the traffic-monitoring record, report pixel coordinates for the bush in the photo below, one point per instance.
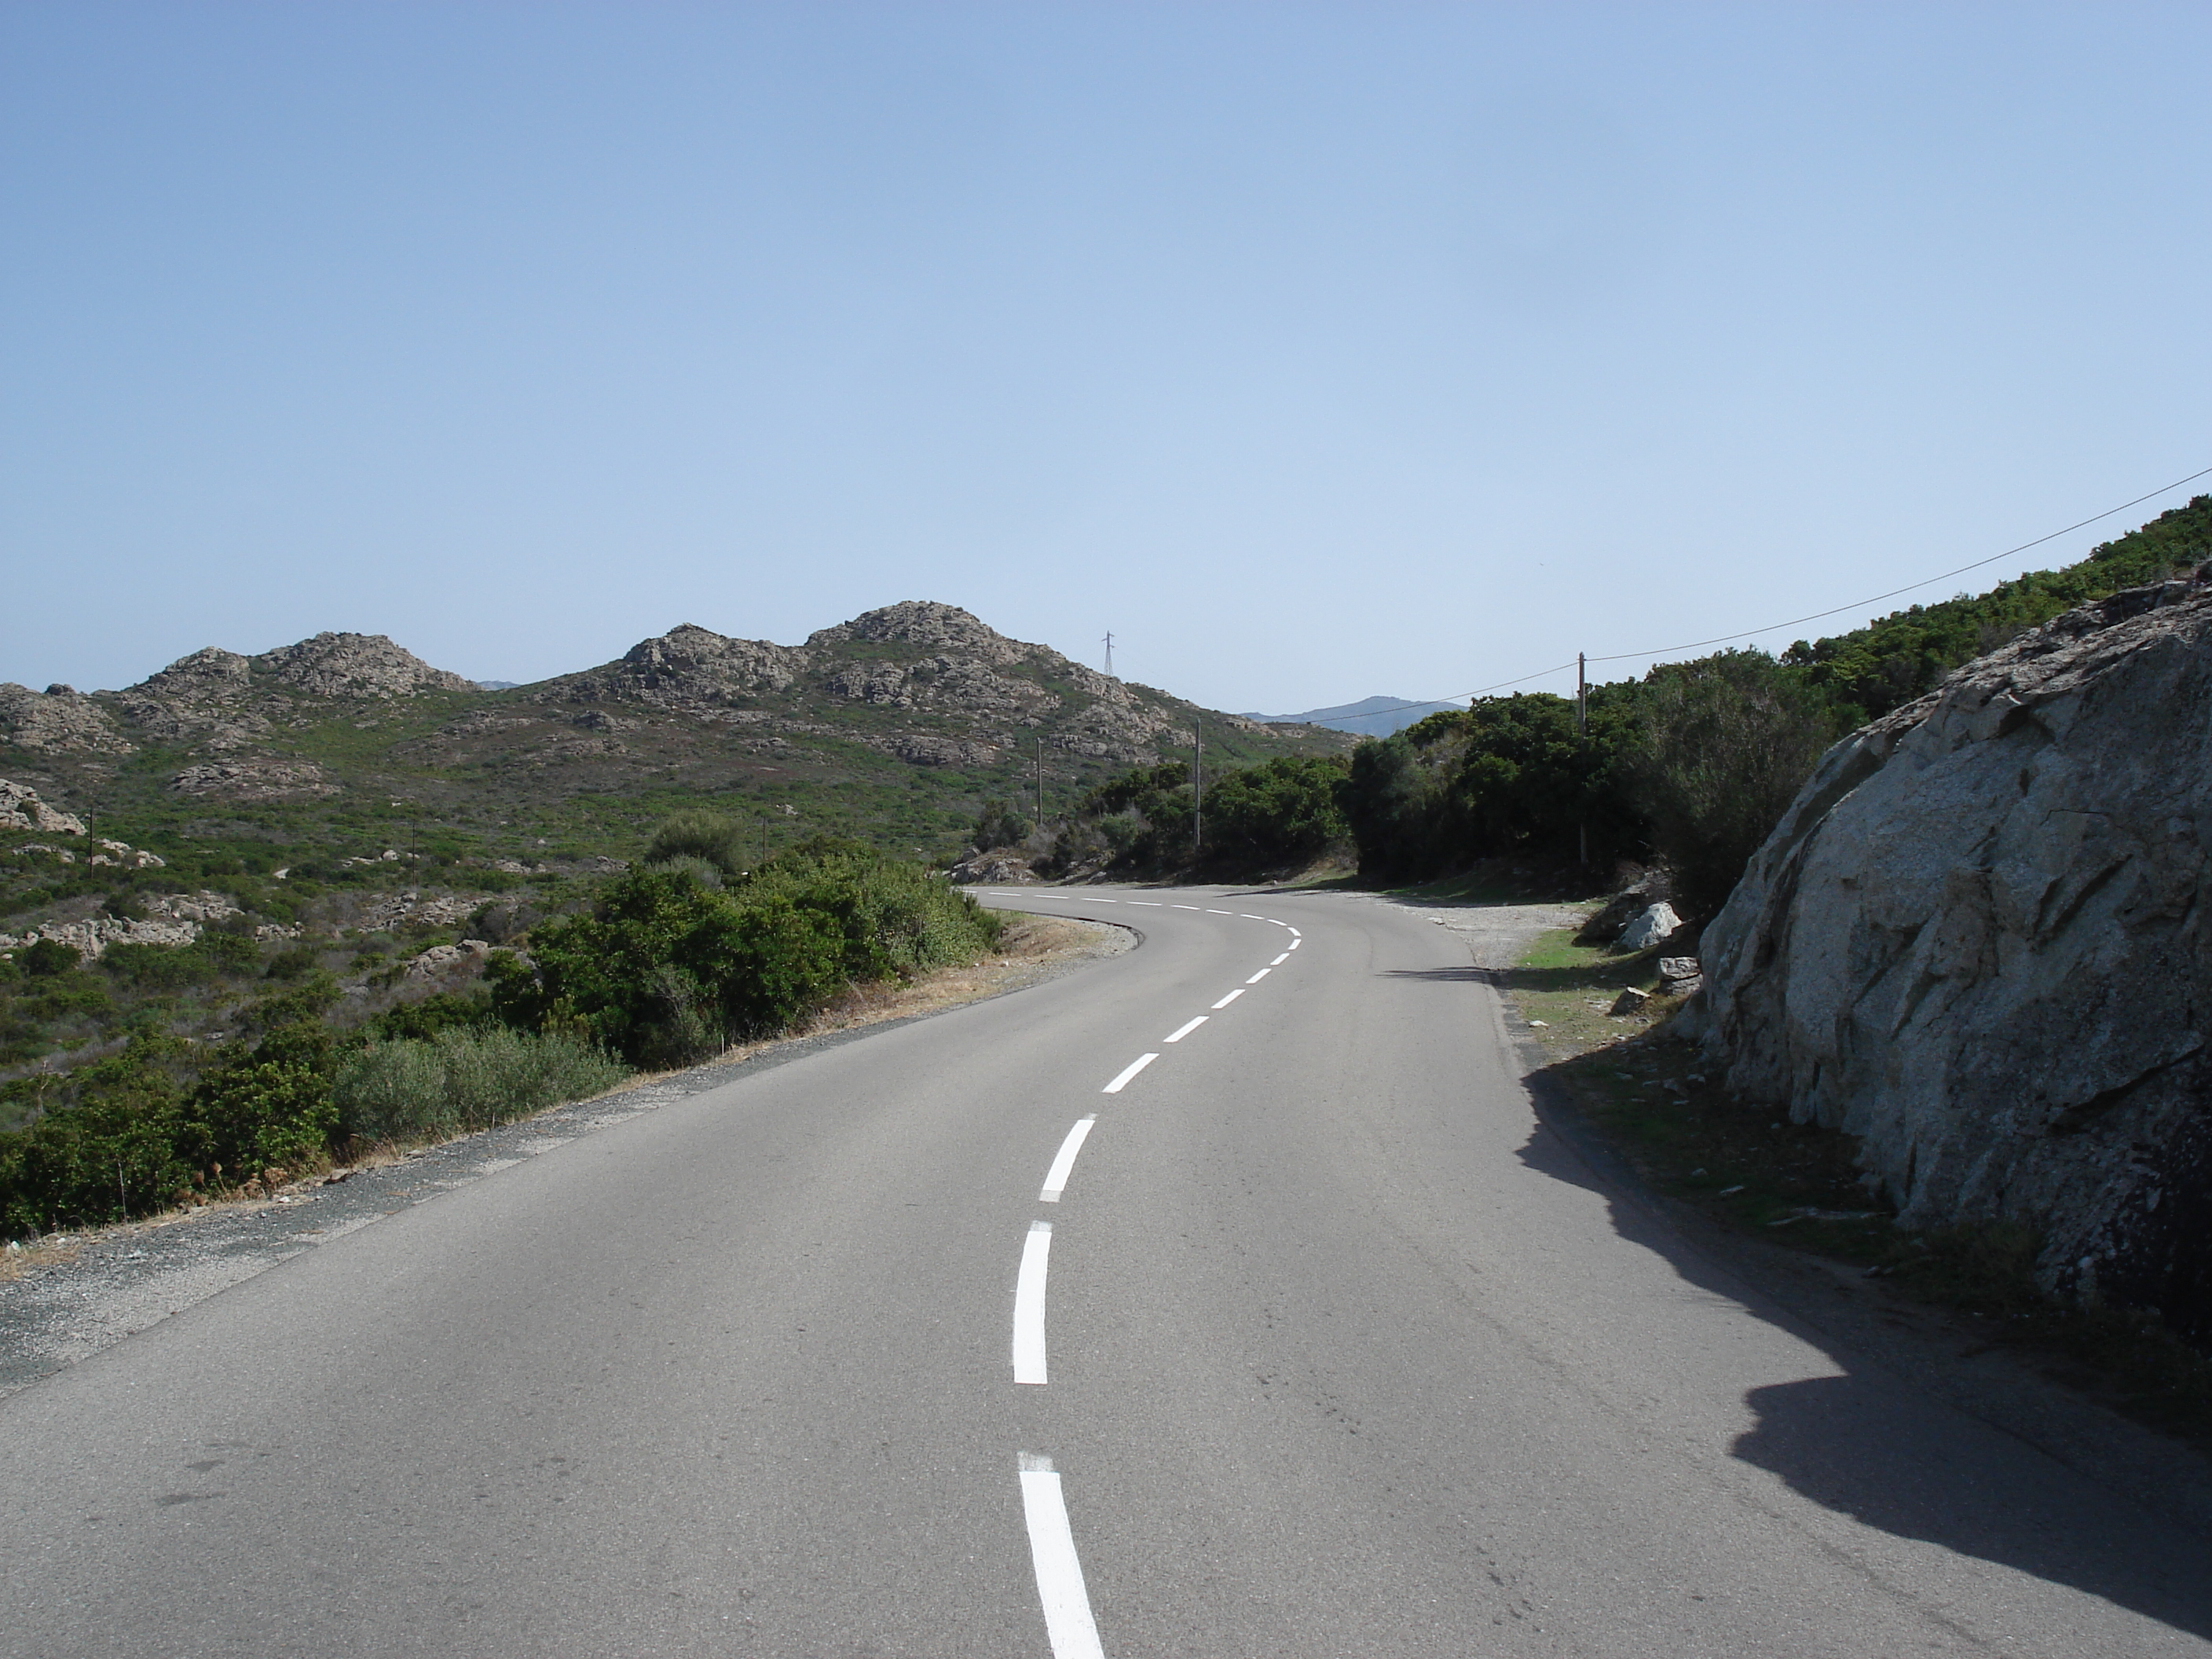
(269, 1106)
(1284, 809)
(295, 964)
(462, 1080)
(112, 1139)
(43, 958)
(445, 1011)
(1000, 826)
(668, 966)
(705, 835)
(157, 967)
(1727, 742)
(230, 953)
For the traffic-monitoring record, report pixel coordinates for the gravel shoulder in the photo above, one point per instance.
(76, 1294)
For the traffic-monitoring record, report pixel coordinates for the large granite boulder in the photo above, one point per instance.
(1979, 941)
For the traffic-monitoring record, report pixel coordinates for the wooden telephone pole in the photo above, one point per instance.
(1581, 737)
(1197, 792)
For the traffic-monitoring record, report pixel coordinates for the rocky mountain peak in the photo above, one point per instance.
(930, 626)
(209, 671)
(690, 662)
(356, 665)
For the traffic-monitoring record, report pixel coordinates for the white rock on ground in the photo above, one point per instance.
(1655, 922)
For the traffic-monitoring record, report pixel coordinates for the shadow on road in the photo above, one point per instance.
(1439, 975)
(1870, 1445)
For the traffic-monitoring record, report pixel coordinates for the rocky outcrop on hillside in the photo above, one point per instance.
(687, 669)
(355, 665)
(250, 779)
(1979, 939)
(223, 702)
(22, 809)
(59, 720)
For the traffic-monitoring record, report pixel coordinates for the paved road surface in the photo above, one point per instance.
(1331, 1351)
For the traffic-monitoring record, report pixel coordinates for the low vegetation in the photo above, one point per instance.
(687, 953)
(233, 1064)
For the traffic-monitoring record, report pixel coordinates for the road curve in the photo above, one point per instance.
(988, 1335)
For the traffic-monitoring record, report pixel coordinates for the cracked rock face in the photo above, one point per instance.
(1979, 941)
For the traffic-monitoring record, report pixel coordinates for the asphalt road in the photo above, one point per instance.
(1332, 1350)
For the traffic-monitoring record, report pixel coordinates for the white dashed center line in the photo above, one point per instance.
(1182, 907)
(1067, 1621)
(1055, 1178)
(1280, 960)
(1149, 905)
(1231, 998)
(1182, 1031)
(1221, 913)
(1028, 1306)
(1130, 1071)
(1294, 945)
(1257, 977)
(1255, 918)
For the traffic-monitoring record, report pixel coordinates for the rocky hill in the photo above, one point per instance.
(1978, 940)
(895, 725)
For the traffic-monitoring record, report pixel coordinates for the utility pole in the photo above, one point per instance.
(1582, 738)
(1197, 792)
(1109, 651)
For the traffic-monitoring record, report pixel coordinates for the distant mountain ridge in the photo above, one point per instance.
(1370, 717)
(897, 722)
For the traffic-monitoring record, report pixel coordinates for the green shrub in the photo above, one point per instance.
(1000, 825)
(445, 1011)
(1283, 810)
(110, 1139)
(668, 967)
(705, 835)
(269, 1106)
(293, 963)
(460, 1080)
(1727, 743)
(43, 958)
(705, 874)
(157, 967)
(231, 953)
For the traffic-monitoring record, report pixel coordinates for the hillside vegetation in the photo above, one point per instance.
(230, 1065)
(1695, 762)
(894, 728)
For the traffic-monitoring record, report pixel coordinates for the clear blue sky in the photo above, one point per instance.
(1315, 350)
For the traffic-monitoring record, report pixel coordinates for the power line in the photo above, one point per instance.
(1754, 633)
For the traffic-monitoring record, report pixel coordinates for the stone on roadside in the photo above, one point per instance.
(1629, 1001)
(1654, 924)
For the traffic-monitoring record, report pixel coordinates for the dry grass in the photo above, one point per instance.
(18, 1259)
